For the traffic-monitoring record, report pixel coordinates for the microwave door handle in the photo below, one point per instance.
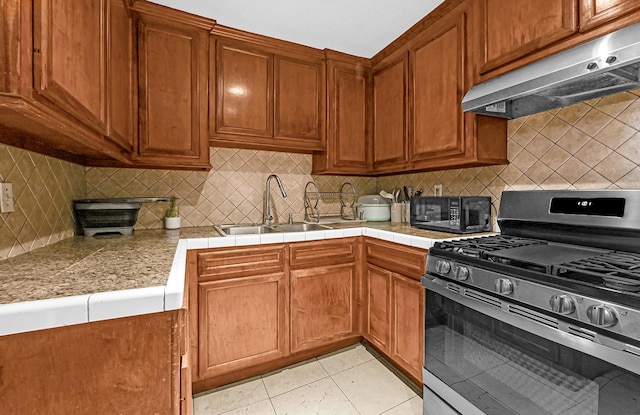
(466, 217)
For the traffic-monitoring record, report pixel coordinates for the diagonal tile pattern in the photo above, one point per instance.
(590, 145)
(595, 144)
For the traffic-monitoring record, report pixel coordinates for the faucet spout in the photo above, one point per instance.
(268, 216)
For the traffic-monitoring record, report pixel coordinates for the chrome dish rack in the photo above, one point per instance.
(329, 207)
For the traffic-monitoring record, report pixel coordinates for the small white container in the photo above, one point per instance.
(373, 208)
(396, 212)
(172, 223)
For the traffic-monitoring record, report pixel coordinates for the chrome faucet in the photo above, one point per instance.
(268, 217)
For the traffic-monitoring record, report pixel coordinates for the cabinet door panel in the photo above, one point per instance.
(408, 324)
(378, 304)
(593, 13)
(389, 114)
(172, 70)
(331, 252)
(242, 322)
(120, 71)
(299, 99)
(241, 262)
(244, 103)
(437, 118)
(409, 261)
(322, 305)
(516, 28)
(69, 58)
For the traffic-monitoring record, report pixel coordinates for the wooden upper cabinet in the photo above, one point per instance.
(514, 29)
(120, 80)
(244, 90)
(438, 79)
(265, 93)
(69, 57)
(299, 107)
(389, 115)
(349, 91)
(594, 13)
(172, 92)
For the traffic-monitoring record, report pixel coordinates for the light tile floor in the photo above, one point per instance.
(350, 381)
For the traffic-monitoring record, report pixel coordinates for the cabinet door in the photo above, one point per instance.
(593, 13)
(389, 115)
(243, 322)
(172, 71)
(69, 57)
(299, 106)
(120, 86)
(516, 28)
(407, 316)
(438, 75)
(378, 307)
(243, 98)
(347, 120)
(323, 302)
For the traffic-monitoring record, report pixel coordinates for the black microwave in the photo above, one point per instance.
(456, 214)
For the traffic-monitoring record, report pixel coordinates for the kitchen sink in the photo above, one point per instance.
(299, 227)
(251, 229)
(228, 230)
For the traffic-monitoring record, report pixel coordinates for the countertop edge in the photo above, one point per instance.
(57, 312)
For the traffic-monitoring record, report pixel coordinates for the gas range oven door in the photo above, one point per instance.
(482, 357)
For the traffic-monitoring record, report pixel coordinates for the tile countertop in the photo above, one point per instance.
(83, 279)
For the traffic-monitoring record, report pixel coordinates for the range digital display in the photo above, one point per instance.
(601, 206)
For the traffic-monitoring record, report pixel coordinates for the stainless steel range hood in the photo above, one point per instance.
(600, 67)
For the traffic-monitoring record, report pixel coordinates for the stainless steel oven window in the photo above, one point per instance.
(502, 369)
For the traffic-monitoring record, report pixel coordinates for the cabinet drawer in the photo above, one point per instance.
(402, 259)
(241, 261)
(313, 253)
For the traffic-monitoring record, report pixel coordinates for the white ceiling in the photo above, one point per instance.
(357, 27)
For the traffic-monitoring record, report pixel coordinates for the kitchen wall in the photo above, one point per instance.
(232, 192)
(43, 188)
(591, 145)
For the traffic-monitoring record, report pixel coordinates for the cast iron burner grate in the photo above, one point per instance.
(617, 270)
(478, 247)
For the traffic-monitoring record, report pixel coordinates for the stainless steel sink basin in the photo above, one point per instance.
(299, 227)
(251, 229)
(243, 229)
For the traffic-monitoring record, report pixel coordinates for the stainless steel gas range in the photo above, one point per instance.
(543, 318)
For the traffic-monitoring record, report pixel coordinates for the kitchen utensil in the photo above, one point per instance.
(386, 195)
(396, 193)
(418, 193)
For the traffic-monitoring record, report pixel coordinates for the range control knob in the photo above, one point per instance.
(460, 273)
(443, 267)
(602, 315)
(503, 286)
(562, 304)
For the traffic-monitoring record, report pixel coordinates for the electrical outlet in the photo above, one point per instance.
(437, 190)
(6, 197)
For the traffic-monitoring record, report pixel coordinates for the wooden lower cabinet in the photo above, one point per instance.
(126, 365)
(407, 324)
(263, 307)
(378, 304)
(242, 322)
(323, 302)
(394, 304)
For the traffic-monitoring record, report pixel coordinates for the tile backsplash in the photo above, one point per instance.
(590, 145)
(595, 144)
(43, 188)
(232, 192)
